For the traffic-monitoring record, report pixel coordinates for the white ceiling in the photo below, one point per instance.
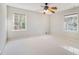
(37, 6)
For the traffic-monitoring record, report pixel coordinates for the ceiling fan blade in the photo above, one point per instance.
(51, 10)
(54, 8)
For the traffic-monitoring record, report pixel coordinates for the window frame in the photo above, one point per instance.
(25, 17)
(65, 23)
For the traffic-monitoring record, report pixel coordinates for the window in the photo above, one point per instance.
(71, 23)
(19, 22)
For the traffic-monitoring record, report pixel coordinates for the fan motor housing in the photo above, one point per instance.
(46, 7)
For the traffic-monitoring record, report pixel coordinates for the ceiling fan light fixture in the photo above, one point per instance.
(47, 12)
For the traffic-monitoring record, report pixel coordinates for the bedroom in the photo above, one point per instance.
(43, 34)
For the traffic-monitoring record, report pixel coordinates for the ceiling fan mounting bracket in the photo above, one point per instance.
(46, 3)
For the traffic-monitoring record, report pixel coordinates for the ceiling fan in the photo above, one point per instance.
(47, 9)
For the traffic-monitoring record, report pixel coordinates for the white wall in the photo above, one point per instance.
(37, 24)
(57, 23)
(2, 25)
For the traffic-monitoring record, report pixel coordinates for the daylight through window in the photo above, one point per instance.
(71, 23)
(19, 22)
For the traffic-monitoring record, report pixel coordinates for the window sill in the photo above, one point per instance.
(20, 30)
